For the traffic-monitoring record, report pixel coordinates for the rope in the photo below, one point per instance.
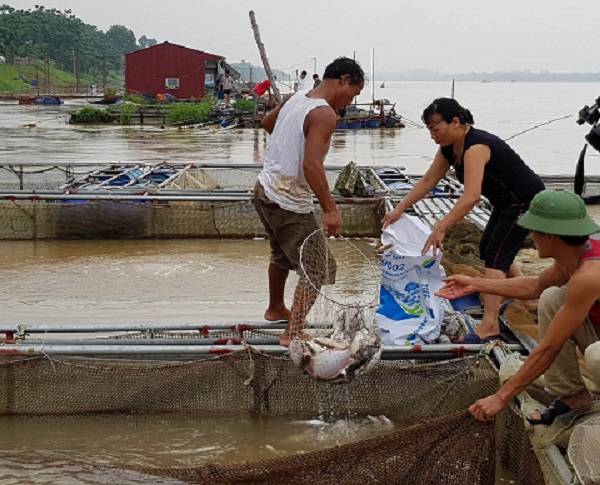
(411, 122)
(251, 368)
(537, 126)
(297, 65)
(44, 352)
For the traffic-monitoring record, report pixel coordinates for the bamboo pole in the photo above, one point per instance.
(265, 59)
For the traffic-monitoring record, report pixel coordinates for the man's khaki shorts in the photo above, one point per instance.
(287, 231)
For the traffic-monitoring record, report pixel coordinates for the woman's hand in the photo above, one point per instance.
(392, 217)
(436, 239)
(456, 286)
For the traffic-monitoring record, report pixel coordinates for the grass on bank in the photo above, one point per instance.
(244, 104)
(191, 113)
(10, 81)
(91, 114)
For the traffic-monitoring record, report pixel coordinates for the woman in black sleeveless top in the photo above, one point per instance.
(486, 166)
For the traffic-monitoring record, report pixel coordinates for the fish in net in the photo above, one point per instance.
(339, 304)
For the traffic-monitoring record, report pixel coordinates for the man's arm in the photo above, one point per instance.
(583, 290)
(268, 122)
(318, 128)
(521, 288)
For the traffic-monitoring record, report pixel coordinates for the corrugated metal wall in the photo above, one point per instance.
(147, 69)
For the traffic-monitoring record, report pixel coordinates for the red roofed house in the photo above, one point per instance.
(169, 68)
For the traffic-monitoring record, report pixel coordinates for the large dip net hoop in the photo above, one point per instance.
(338, 303)
(354, 285)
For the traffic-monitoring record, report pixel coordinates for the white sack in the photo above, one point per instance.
(408, 312)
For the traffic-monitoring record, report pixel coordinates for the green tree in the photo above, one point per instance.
(42, 31)
(123, 38)
(144, 42)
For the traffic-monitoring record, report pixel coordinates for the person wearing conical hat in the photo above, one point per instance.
(568, 312)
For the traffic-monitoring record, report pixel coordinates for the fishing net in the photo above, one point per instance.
(425, 404)
(354, 285)
(584, 449)
(211, 212)
(395, 458)
(340, 303)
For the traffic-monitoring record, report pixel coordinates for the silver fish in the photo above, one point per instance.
(353, 348)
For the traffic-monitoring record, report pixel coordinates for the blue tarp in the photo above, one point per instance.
(49, 100)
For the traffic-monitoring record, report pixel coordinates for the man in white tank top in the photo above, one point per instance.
(300, 82)
(301, 129)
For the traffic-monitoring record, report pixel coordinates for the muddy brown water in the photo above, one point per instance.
(137, 282)
(202, 281)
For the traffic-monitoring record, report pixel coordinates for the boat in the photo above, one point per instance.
(382, 85)
(378, 114)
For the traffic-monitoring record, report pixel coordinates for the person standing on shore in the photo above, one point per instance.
(259, 90)
(301, 129)
(227, 82)
(316, 81)
(487, 166)
(300, 82)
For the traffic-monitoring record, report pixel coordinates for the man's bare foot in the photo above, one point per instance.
(276, 314)
(285, 340)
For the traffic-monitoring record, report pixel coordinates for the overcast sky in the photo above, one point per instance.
(450, 36)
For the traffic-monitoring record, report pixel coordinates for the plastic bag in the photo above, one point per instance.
(408, 311)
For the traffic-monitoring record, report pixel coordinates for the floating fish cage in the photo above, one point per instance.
(78, 371)
(227, 369)
(182, 200)
(151, 370)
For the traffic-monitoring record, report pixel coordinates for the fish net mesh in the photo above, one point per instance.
(138, 219)
(584, 449)
(434, 439)
(332, 286)
(231, 214)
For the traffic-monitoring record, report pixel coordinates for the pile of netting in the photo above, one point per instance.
(435, 441)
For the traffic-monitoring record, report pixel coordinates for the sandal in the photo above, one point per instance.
(473, 338)
(548, 415)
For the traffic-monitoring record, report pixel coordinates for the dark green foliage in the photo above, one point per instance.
(90, 114)
(35, 32)
(123, 38)
(126, 110)
(190, 113)
(244, 104)
(146, 42)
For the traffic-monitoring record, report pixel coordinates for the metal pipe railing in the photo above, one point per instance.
(21, 328)
(49, 348)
